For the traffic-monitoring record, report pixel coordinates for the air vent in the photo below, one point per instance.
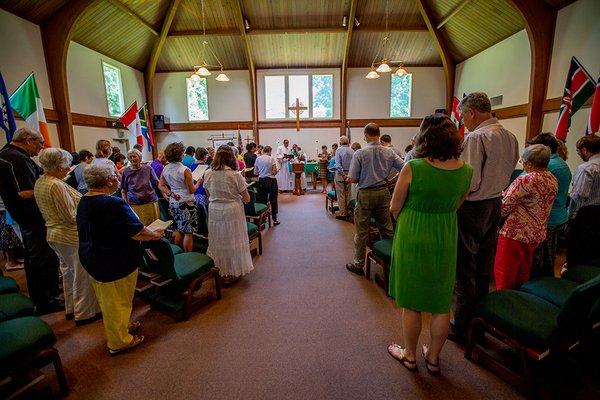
(496, 101)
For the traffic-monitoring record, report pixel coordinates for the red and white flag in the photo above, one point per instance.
(594, 121)
(455, 116)
(131, 120)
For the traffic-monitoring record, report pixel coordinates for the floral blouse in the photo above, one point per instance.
(526, 204)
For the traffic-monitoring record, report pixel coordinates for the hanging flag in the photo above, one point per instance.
(579, 87)
(146, 126)
(455, 116)
(594, 121)
(131, 120)
(7, 120)
(27, 103)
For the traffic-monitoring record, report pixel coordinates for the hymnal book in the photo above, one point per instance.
(159, 225)
(199, 171)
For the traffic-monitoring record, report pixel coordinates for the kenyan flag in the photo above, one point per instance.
(579, 87)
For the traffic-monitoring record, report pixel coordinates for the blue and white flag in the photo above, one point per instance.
(7, 120)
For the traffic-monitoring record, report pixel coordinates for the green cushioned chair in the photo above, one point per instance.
(8, 285)
(553, 290)
(330, 200)
(581, 273)
(352, 204)
(254, 233)
(257, 213)
(27, 342)
(15, 305)
(533, 326)
(381, 253)
(175, 249)
(181, 276)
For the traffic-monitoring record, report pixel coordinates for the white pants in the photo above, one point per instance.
(80, 298)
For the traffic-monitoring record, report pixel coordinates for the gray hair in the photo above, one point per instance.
(537, 155)
(54, 158)
(344, 140)
(25, 133)
(235, 151)
(95, 176)
(134, 151)
(477, 101)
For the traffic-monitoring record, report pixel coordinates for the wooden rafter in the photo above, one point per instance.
(540, 20)
(362, 28)
(209, 32)
(251, 69)
(452, 13)
(56, 36)
(123, 7)
(344, 88)
(153, 59)
(440, 44)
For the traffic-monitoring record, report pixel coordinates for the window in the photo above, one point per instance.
(314, 91)
(197, 99)
(114, 90)
(401, 96)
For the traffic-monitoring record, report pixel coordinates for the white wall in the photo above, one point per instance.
(370, 98)
(227, 101)
(198, 138)
(23, 53)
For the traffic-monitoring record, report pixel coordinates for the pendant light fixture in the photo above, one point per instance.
(202, 70)
(372, 75)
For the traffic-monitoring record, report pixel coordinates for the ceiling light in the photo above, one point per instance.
(345, 21)
(222, 77)
(401, 71)
(202, 71)
(372, 75)
(383, 67)
(246, 24)
(356, 22)
(195, 77)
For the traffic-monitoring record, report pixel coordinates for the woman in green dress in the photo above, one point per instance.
(429, 190)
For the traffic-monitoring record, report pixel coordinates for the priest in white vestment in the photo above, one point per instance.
(285, 179)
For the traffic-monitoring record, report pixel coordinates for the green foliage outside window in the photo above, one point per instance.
(197, 99)
(114, 90)
(322, 96)
(401, 96)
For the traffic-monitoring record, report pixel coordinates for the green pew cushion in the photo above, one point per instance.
(352, 204)
(383, 249)
(523, 316)
(581, 273)
(191, 265)
(252, 228)
(15, 305)
(8, 285)
(553, 290)
(175, 249)
(259, 208)
(331, 195)
(22, 338)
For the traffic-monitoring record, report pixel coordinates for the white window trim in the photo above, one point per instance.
(409, 99)
(187, 103)
(121, 92)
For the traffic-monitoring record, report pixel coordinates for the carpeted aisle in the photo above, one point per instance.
(298, 327)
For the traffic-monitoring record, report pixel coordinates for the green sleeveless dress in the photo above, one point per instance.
(423, 267)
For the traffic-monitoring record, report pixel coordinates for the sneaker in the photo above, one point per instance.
(276, 222)
(137, 339)
(355, 269)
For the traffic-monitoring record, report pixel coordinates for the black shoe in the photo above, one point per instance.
(275, 223)
(355, 269)
(341, 217)
(86, 321)
(69, 316)
(52, 306)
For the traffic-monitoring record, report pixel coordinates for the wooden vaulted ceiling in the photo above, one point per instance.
(283, 33)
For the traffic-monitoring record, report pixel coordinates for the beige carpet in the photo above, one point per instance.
(298, 327)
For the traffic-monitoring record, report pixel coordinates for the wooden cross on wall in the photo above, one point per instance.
(297, 108)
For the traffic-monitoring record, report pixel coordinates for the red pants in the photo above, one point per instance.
(513, 263)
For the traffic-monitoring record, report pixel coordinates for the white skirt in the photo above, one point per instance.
(228, 243)
(285, 179)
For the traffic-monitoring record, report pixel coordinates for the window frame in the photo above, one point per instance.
(409, 97)
(187, 102)
(121, 91)
(310, 96)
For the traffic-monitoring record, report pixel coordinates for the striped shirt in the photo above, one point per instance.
(586, 185)
(58, 203)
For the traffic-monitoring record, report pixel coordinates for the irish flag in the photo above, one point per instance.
(27, 103)
(131, 120)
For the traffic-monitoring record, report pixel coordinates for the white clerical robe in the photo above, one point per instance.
(285, 179)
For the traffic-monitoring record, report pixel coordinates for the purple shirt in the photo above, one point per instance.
(157, 166)
(139, 185)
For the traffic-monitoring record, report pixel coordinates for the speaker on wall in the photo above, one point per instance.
(159, 121)
(441, 111)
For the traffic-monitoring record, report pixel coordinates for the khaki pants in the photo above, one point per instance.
(115, 299)
(371, 203)
(342, 190)
(147, 213)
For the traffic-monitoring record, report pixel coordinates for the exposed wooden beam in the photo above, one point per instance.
(452, 13)
(280, 31)
(344, 86)
(56, 36)
(440, 44)
(304, 124)
(153, 60)
(123, 7)
(251, 69)
(208, 32)
(385, 122)
(540, 20)
(362, 28)
(209, 126)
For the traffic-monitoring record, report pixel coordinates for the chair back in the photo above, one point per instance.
(583, 237)
(163, 205)
(249, 206)
(202, 220)
(579, 311)
(159, 258)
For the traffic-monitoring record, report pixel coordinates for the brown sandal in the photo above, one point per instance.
(432, 369)
(406, 363)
